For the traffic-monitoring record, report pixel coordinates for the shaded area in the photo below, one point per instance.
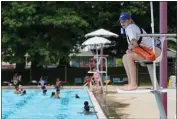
(109, 106)
(73, 72)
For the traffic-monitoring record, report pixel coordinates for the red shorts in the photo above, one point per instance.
(89, 79)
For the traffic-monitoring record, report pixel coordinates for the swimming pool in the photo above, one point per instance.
(35, 105)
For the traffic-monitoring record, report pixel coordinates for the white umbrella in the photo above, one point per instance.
(96, 40)
(82, 54)
(101, 32)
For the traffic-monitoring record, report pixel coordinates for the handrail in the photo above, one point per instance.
(158, 35)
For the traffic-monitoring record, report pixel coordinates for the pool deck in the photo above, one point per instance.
(129, 106)
(136, 106)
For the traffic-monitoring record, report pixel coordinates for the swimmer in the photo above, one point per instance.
(17, 90)
(44, 91)
(57, 95)
(24, 92)
(76, 96)
(53, 94)
(41, 81)
(87, 108)
(43, 87)
(58, 90)
(58, 83)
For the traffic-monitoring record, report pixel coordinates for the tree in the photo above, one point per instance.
(49, 31)
(46, 30)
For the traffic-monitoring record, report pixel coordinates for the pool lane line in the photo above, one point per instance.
(19, 105)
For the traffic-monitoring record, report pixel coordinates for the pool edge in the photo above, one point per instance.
(100, 114)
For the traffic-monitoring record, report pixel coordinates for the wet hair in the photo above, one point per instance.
(24, 92)
(86, 103)
(53, 93)
(43, 87)
(45, 90)
(87, 108)
(76, 96)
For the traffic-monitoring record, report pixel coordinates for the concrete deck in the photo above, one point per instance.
(135, 106)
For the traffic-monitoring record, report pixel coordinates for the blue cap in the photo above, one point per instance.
(124, 16)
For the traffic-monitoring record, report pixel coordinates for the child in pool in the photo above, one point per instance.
(58, 83)
(23, 93)
(55, 95)
(87, 108)
(17, 90)
(44, 90)
(76, 96)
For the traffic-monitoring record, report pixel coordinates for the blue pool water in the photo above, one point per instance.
(34, 105)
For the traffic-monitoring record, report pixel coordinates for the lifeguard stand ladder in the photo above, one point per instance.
(152, 72)
(98, 63)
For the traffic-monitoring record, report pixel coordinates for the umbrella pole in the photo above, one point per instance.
(101, 81)
(97, 70)
(101, 68)
(97, 67)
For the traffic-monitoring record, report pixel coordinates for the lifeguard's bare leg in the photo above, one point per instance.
(131, 58)
(126, 69)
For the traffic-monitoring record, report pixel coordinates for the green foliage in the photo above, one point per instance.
(119, 63)
(49, 30)
(43, 29)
